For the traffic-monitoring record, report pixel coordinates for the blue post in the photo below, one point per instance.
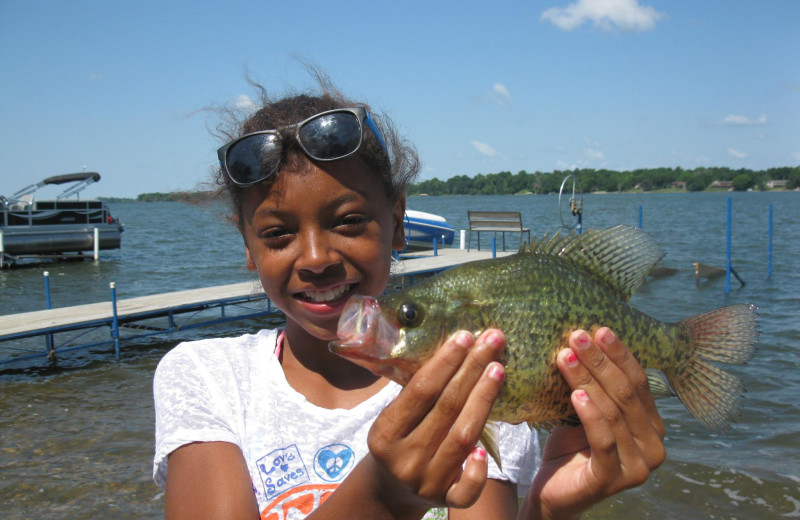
(494, 246)
(728, 255)
(115, 321)
(47, 289)
(435, 249)
(580, 222)
(769, 247)
(49, 337)
(640, 217)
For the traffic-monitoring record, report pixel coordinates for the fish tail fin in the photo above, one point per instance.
(726, 335)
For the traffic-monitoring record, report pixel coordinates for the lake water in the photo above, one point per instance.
(77, 438)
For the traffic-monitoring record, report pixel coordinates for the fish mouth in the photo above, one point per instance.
(363, 331)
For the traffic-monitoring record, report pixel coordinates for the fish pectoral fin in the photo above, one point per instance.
(488, 440)
(659, 385)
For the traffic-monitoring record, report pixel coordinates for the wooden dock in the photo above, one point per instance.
(139, 313)
(151, 306)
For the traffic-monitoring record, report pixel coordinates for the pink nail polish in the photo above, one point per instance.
(582, 395)
(478, 453)
(497, 372)
(494, 339)
(464, 339)
(572, 360)
(608, 338)
(583, 340)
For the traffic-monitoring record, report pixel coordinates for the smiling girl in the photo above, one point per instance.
(273, 425)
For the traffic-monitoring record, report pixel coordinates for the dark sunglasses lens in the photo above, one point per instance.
(331, 136)
(254, 158)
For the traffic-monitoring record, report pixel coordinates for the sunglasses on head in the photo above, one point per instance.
(327, 136)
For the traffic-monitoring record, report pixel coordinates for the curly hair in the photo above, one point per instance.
(396, 171)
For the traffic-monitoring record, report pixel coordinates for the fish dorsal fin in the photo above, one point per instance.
(621, 256)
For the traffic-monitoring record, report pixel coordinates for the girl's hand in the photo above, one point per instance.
(619, 442)
(419, 443)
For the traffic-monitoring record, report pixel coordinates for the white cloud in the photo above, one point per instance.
(501, 94)
(737, 153)
(735, 119)
(593, 154)
(606, 15)
(243, 102)
(94, 76)
(484, 149)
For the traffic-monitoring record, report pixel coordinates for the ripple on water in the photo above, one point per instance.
(680, 490)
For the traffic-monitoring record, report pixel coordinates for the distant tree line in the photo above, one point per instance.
(178, 196)
(591, 180)
(504, 183)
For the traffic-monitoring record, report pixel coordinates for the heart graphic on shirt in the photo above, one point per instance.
(334, 462)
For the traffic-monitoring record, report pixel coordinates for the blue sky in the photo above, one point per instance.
(479, 87)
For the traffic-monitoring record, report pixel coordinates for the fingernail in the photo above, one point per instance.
(497, 371)
(582, 395)
(583, 340)
(572, 360)
(478, 453)
(608, 338)
(464, 339)
(494, 339)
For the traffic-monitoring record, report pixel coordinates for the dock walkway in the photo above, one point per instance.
(140, 313)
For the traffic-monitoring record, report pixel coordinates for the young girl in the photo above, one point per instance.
(273, 425)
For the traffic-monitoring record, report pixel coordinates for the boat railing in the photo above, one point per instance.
(54, 212)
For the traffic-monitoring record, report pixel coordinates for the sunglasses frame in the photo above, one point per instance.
(362, 116)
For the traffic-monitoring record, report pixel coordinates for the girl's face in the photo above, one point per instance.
(318, 235)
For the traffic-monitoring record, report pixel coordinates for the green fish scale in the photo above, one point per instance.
(537, 301)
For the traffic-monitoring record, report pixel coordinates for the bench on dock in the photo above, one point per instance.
(496, 222)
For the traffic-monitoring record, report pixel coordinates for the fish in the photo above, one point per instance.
(538, 297)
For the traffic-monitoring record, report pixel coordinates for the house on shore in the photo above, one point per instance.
(773, 184)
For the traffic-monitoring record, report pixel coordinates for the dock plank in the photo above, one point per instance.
(446, 259)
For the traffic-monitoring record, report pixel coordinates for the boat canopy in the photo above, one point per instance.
(82, 178)
(72, 177)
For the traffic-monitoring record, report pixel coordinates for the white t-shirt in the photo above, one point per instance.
(234, 390)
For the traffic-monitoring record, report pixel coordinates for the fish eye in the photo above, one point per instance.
(410, 314)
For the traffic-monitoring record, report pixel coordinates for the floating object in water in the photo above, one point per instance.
(710, 272)
(661, 271)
